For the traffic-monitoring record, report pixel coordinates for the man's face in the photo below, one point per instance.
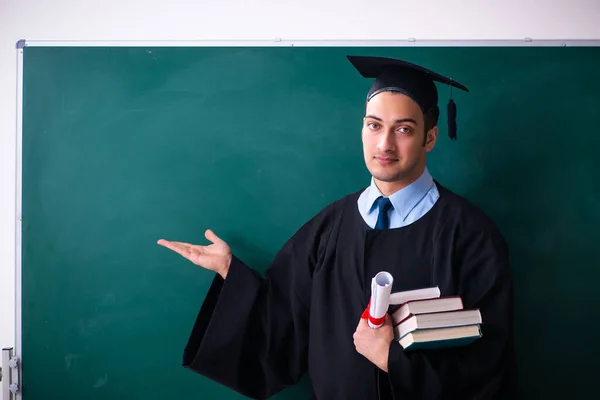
(393, 137)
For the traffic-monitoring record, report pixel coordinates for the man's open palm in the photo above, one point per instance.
(215, 257)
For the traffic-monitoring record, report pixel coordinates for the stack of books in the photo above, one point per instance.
(423, 319)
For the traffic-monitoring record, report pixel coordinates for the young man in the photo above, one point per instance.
(259, 335)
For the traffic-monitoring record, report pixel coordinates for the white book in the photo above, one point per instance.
(427, 306)
(417, 294)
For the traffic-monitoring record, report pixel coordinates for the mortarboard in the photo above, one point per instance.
(410, 79)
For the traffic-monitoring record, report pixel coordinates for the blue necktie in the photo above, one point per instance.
(383, 220)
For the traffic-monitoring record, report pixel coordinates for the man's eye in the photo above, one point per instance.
(405, 130)
(373, 125)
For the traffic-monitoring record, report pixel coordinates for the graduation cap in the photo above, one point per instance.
(416, 82)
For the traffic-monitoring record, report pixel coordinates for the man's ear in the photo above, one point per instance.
(431, 138)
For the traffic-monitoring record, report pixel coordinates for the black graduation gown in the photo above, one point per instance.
(259, 335)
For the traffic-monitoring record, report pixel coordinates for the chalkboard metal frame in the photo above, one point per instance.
(310, 43)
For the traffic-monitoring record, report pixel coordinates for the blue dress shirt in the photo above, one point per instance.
(410, 203)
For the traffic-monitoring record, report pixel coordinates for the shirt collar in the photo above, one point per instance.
(405, 199)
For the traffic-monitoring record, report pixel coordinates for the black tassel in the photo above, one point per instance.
(452, 119)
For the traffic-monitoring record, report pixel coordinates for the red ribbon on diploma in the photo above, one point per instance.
(374, 321)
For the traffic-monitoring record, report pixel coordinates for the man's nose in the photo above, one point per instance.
(386, 142)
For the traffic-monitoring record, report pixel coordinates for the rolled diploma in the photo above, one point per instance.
(381, 288)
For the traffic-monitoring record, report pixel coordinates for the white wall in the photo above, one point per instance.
(264, 19)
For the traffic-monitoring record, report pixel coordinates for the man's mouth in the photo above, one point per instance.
(385, 160)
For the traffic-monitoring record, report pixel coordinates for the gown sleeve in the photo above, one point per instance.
(251, 333)
(481, 370)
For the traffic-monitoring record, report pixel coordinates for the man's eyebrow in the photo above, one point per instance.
(398, 121)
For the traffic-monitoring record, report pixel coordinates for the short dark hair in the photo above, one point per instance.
(431, 120)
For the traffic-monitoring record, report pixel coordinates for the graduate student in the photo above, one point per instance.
(259, 335)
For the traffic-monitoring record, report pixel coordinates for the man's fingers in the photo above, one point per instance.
(210, 235)
(362, 323)
(179, 247)
(176, 247)
(186, 245)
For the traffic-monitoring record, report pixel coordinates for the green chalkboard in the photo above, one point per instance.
(123, 146)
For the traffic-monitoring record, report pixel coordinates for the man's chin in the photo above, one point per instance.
(388, 178)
